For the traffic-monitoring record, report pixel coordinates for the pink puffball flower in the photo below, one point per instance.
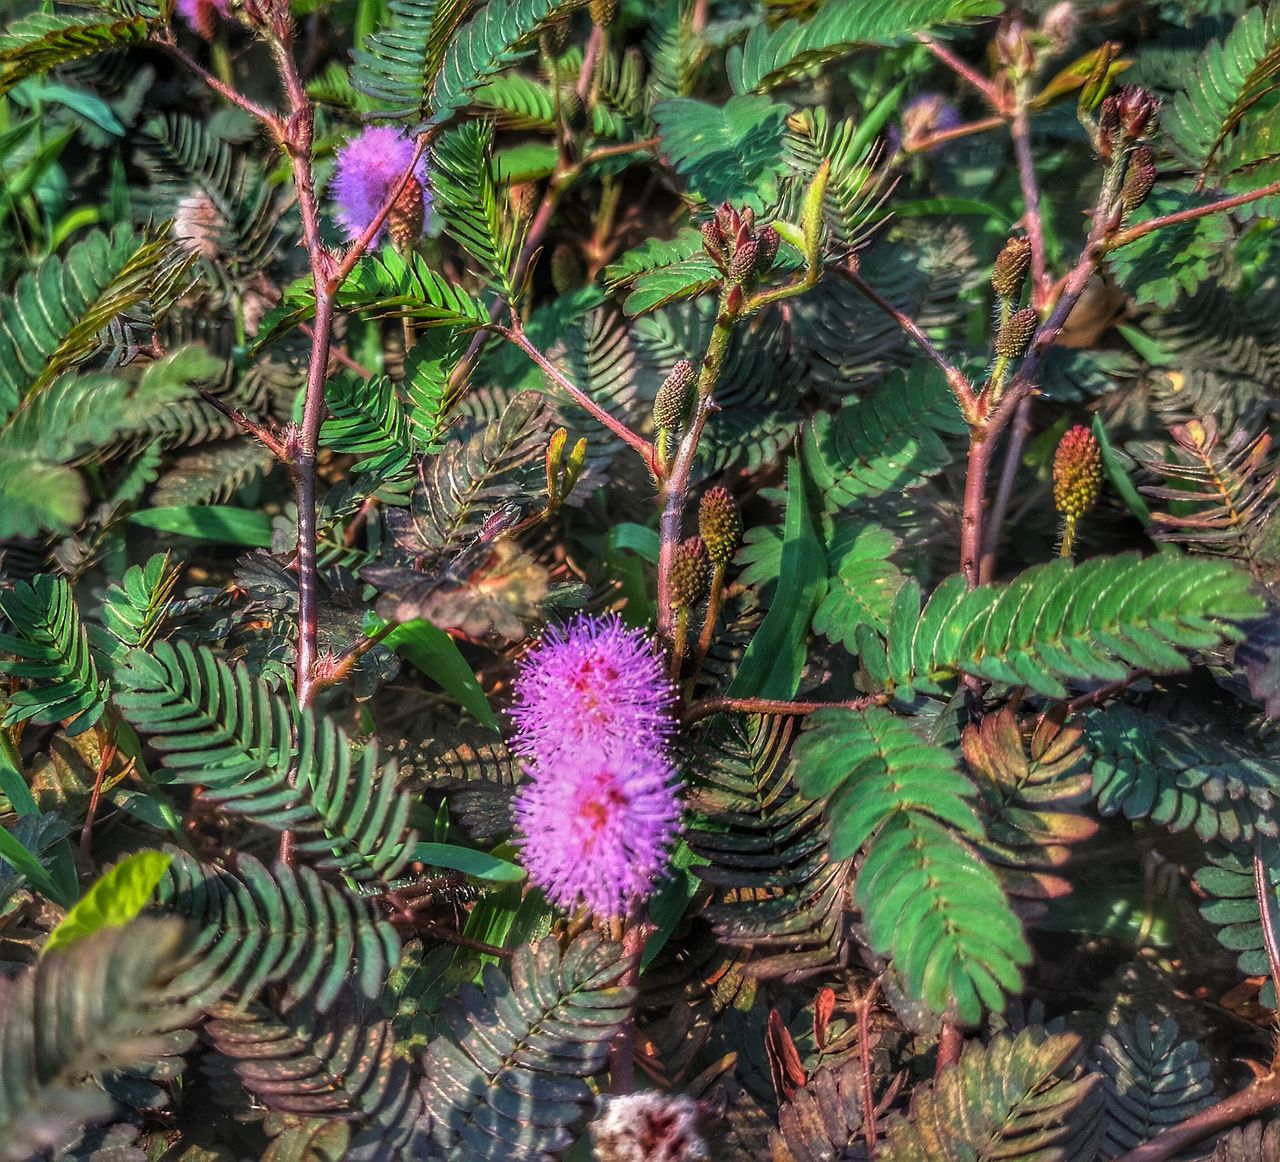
(369, 168)
(199, 14)
(590, 682)
(597, 825)
(598, 816)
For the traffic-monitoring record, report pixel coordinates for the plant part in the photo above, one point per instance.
(529, 613)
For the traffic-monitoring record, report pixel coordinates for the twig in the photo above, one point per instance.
(865, 1001)
(950, 1046)
(1021, 132)
(259, 432)
(622, 1066)
(1266, 911)
(515, 334)
(336, 352)
(621, 149)
(1018, 434)
(269, 119)
(595, 42)
(709, 706)
(956, 378)
(1142, 229)
(957, 66)
(942, 136)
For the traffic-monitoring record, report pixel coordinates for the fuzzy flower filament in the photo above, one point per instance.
(369, 168)
(600, 810)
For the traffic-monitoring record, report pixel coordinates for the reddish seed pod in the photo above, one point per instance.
(767, 241)
(1077, 472)
(690, 572)
(1139, 178)
(742, 266)
(1013, 339)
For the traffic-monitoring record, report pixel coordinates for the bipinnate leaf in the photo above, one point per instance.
(1018, 1097)
(100, 1006)
(927, 897)
(1061, 622)
(118, 897)
(508, 1079)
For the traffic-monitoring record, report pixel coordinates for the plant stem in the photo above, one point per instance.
(1142, 229)
(933, 140)
(710, 706)
(956, 378)
(950, 1045)
(961, 69)
(1254, 1099)
(1020, 130)
(269, 119)
(1266, 911)
(622, 1069)
(516, 334)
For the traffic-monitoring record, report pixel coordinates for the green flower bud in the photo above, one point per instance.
(675, 396)
(1015, 336)
(719, 524)
(690, 572)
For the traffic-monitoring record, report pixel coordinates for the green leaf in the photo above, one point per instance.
(861, 586)
(466, 198)
(1061, 622)
(221, 523)
(478, 864)
(436, 654)
(116, 899)
(397, 65)
(23, 861)
(728, 153)
(42, 41)
(927, 898)
(774, 54)
(1165, 264)
(775, 659)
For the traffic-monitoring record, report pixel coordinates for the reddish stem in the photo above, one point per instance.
(1144, 228)
(709, 706)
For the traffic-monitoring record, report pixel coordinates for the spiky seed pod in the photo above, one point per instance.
(719, 524)
(1139, 178)
(1128, 114)
(1077, 473)
(728, 219)
(555, 37)
(404, 222)
(566, 270)
(671, 404)
(1011, 266)
(690, 572)
(1014, 337)
(742, 266)
(768, 241)
(604, 12)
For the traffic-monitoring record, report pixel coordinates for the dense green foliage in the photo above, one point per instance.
(947, 326)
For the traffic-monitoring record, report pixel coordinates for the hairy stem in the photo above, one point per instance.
(1142, 229)
(709, 706)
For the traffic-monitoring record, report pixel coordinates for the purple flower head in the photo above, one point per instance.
(922, 117)
(598, 824)
(588, 683)
(199, 14)
(369, 166)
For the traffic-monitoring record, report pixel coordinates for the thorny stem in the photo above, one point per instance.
(256, 111)
(956, 378)
(1142, 229)
(967, 72)
(865, 1001)
(709, 706)
(1266, 911)
(942, 136)
(259, 432)
(1254, 1099)
(515, 334)
(346, 662)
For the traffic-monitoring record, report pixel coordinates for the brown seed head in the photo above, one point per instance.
(719, 524)
(767, 241)
(1013, 339)
(690, 572)
(604, 12)
(404, 222)
(1077, 472)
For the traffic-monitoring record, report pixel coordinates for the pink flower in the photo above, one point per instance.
(600, 811)
(369, 168)
(199, 14)
(598, 825)
(589, 682)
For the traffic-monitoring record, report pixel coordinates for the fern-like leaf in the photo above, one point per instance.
(103, 1005)
(773, 55)
(467, 199)
(1222, 492)
(368, 420)
(52, 650)
(891, 438)
(1186, 775)
(1018, 1097)
(777, 889)
(56, 313)
(279, 926)
(397, 65)
(508, 1081)
(1231, 881)
(1233, 76)
(1062, 622)
(823, 1118)
(258, 755)
(926, 896)
(1151, 1080)
(42, 41)
(1030, 795)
